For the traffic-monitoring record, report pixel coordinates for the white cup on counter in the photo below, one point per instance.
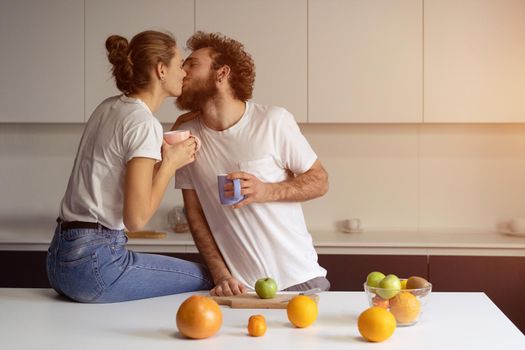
(352, 225)
(517, 225)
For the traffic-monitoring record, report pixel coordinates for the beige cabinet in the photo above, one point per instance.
(42, 61)
(365, 61)
(126, 18)
(474, 61)
(274, 33)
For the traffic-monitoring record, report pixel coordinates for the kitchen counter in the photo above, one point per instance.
(40, 319)
(36, 236)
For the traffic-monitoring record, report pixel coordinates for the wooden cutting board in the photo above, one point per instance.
(252, 301)
(146, 234)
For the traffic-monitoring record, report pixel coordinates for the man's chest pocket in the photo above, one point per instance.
(265, 169)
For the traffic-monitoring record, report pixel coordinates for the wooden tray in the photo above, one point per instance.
(252, 301)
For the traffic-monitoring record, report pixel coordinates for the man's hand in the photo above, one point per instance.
(299, 188)
(228, 287)
(253, 189)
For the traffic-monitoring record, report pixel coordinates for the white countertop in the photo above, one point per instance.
(39, 319)
(36, 236)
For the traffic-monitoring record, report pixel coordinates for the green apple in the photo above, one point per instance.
(266, 288)
(390, 286)
(373, 279)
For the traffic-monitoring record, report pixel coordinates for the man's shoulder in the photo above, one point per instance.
(186, 120)
(269, 112)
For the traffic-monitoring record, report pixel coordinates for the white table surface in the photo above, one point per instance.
(39, 319)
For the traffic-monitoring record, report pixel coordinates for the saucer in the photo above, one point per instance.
(345, 230)
(511, 233)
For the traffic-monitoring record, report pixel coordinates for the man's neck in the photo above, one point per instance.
(222, 112)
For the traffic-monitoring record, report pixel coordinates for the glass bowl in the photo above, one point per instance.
(406, 305)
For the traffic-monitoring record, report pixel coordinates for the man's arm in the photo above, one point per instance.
(225, 284)
(309, 185)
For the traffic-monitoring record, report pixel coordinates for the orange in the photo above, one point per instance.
(199, 317)
(405, 307)
(256, 325)
(376, 324)
(302, 311)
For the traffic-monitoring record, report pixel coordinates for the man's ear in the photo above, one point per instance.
(223, 73)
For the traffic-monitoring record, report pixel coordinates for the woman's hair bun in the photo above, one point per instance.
(117, 47)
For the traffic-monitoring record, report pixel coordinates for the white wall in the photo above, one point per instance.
(392, 176)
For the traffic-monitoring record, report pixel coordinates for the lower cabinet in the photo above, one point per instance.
(502, 278)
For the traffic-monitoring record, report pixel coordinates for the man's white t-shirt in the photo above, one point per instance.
(260, 239)
(120, 128)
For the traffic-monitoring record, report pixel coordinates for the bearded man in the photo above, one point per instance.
(264, 234)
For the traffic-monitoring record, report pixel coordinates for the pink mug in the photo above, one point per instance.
(176, 136)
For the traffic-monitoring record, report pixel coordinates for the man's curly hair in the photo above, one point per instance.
(226, 51)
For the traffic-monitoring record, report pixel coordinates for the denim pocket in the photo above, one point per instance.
(78, 264)
(80, 278)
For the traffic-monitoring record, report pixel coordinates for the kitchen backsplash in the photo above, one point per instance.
(391, 176)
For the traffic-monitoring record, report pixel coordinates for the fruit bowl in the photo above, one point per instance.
(407, 305)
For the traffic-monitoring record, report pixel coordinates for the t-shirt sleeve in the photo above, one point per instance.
(183, 178)
(295, 152)
(144, 139)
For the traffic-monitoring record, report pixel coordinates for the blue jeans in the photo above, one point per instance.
(94, 266)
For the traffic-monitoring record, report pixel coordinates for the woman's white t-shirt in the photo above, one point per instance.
(120, 128)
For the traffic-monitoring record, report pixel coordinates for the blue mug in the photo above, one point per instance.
(237, 196)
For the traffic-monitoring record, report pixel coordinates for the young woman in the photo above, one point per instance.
(121, 171)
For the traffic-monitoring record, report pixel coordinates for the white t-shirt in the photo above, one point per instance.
(260, 239)
(120, 128)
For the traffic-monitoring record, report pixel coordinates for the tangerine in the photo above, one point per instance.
(376, 324)
(256, 325)
(378, 301)
(405, 307)
(302, 311)
(199, 317)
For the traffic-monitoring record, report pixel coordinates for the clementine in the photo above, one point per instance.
(378, 301)
(199, 317)
(256, 325)
(302, 311)
(376, 324)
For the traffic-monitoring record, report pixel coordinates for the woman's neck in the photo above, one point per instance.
(153, 99)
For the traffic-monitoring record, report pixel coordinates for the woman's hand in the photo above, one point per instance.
(179, 154)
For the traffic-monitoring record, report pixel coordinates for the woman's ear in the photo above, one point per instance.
(161, 71)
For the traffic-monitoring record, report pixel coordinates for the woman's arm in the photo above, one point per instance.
(144, 187)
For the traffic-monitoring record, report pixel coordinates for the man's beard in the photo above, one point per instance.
(195, 97)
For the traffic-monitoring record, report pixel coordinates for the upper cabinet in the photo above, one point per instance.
(326, 61)
(274, 32)
(474, 61)
(365, 61)
(127, 18)
(42, 55)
